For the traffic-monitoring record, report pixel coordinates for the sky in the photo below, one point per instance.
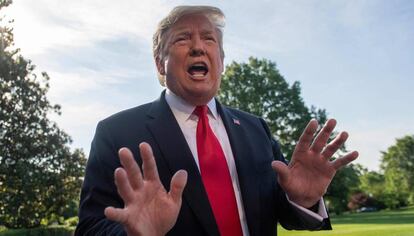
(354, 58)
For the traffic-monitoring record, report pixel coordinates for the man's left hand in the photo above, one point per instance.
(307, 177)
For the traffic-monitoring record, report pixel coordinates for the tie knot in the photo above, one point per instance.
(201, 111)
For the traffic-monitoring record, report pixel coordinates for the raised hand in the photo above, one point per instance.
(148, 208)
(307, 177)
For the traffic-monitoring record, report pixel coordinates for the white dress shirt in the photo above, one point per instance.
(183, 113)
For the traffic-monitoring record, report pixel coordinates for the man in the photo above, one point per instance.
(216, 161)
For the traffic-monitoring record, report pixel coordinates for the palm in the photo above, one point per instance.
(149, 209)
(310, 171)
(152, 207)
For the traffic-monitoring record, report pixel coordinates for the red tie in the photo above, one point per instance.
(216, 177)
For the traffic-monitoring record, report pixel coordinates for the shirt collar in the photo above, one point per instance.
(183, 110)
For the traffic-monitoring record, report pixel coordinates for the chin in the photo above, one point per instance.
(200, 97)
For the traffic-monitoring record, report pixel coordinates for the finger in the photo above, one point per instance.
(131, 167)
(178, 182)
(116, 214)
(148, 162)
(334, 145)
(307, 136)
(123, 186)
(282, 171)
(322, 138)
(345, 160)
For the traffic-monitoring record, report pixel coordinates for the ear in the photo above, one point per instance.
(160, 66)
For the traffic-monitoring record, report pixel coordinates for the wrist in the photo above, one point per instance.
(143, 233)
(306, 203)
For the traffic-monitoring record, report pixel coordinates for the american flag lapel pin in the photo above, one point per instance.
(236, 121)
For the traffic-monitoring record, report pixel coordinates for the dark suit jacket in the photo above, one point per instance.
(253, 147)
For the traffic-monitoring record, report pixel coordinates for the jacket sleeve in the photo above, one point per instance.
(288, 215)
(99, 190)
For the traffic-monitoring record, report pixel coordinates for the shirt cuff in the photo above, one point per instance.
(322, 213)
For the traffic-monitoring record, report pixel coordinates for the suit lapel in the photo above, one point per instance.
(245, 165)
(177, 155)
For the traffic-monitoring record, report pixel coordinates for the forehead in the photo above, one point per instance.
(192, 22)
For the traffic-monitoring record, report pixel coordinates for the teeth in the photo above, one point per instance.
(196, 74)
(199, 64)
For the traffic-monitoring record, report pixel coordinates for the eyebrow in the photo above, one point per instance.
(207, 32)
(187, 32)
(181, 32)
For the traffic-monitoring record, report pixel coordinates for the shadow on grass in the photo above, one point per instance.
(402, 216)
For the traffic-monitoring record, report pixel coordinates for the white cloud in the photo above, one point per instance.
(46, 24)
(77, 83)
(356, 14)
(79, 120)
(78, 115)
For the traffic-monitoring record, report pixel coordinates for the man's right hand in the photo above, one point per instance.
(148, 208)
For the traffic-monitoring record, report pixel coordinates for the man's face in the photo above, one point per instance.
(193, 63)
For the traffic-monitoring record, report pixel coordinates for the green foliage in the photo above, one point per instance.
(39, 174)
(258, 88)
(371, 189)
(398, 166)
(72, 222)
(372, 183)
(395, 187)
(343, 184)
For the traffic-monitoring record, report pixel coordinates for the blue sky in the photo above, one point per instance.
(354, 58)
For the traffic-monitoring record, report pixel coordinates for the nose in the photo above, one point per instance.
(197, 47)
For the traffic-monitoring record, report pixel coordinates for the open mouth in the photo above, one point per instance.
(199, 69)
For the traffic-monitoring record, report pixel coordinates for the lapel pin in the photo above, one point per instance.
(236, 121)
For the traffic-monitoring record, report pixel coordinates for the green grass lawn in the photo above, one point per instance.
(389, 223)
(58, 230)
(383, 223)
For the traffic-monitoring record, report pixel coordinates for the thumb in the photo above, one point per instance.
(116, 214)
(178, 182)
(282, 171)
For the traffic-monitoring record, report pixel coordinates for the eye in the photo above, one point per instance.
(211, 38)
(181, 38)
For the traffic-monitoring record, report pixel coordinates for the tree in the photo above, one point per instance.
(370, 192)
(39, 174)
(258, 88)
(341, 188)
(372, 183)
(397, 164)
